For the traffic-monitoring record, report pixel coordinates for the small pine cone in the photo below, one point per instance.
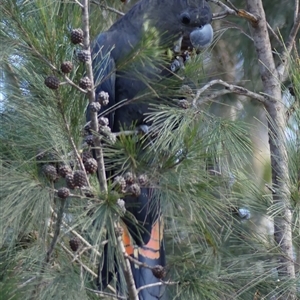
(85, 83)
(186, 90)
(50, 172)
(79, 178)
(106, 130)
(83, 55)
(143, 180)
(183, 103)
(86, 155)
(91, 165)
(134, 190)
(63, 193)
(75, 243)
(64, 170)
(52, 82)
(159, 271)
(95, 106)
(121, 204)
(89, 139)
(120, 184)
(77, 36)
(103, 98)
(41, 154)
(129, 178)
(52, 157)
(70, 181)
(103, 121)
(66, 67)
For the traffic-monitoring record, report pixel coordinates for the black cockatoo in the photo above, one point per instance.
(173, 24)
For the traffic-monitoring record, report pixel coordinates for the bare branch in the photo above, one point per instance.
(229, 88)
(104, 294)
(281, 69)
(232, 11)
(106, 7)
(157, 284)
(59, 218)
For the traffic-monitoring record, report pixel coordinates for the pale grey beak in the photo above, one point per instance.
(202, 37)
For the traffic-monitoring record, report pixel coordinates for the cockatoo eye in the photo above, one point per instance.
(185, 18)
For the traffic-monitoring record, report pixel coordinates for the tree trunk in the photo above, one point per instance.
(276, 126)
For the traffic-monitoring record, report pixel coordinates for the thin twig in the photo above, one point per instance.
(281, 69)
(274, 34)
(157, 284)
(105, 294)
(70, 229)
(270, 188)
(57, 229)
(109, 8)
(71, 140)
(231, 89)
(232, 11)
(77, 259)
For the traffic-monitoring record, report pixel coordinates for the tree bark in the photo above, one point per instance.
(276, 126)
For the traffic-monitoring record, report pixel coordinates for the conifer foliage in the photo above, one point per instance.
(200, 155)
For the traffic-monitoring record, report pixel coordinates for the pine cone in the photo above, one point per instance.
(75, 243)
(50, 172)
(70, 181)
(103, 121)
(89, 139)
(64, 170)
(129, 178)
(143, 180)
(85, 83)
(95, 106)
(120, 184)
(103, 98)
(41, 154)
(63, 193)
(91, 165)
(52, 82)
(83, 55)
(134, 190)
(159, 271)
(86, 155)
(79, 178)
(77, 36)
(66, 67)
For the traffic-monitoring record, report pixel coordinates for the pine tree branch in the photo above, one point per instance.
(106, 7)
(70, 229)
(104, 294)
(229, 88)
(91, 96)
(57, 229)
(281, 69)
(157, 284)
(133, 295)
(232, 11)
(76, 258)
